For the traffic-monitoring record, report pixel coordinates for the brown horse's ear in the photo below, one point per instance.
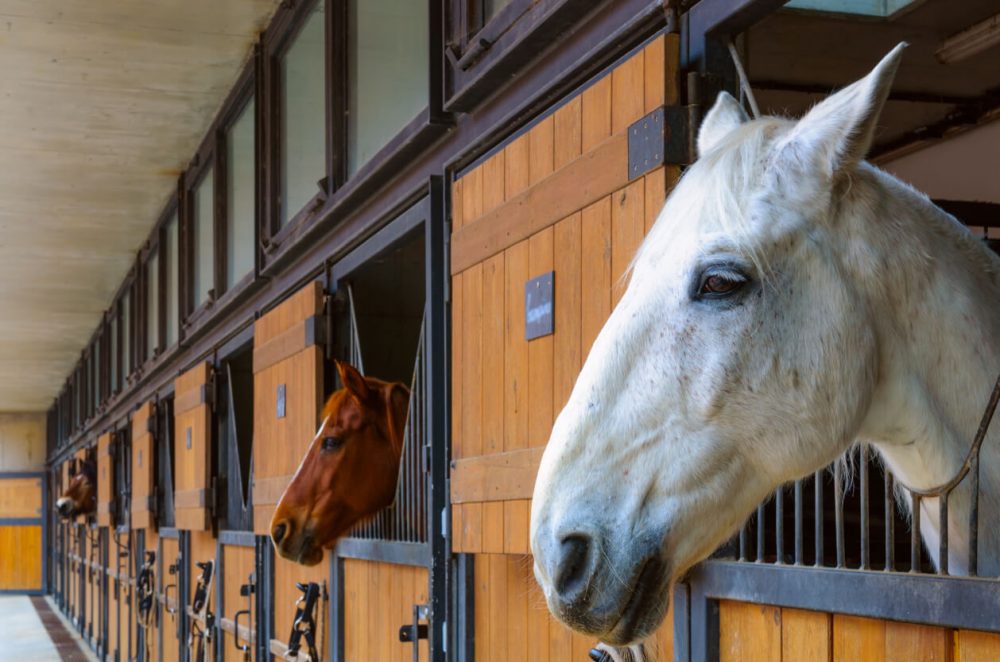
(354, 381)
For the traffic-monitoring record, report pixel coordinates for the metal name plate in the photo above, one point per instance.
(539, 306)
(281, 401)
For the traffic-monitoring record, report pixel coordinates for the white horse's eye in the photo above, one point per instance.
(720, 284)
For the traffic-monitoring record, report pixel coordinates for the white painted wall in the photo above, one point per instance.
(22, 442)
(965, 167)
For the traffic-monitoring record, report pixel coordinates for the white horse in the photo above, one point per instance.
(790, 300)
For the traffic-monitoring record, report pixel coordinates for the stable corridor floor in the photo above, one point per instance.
(30, 629)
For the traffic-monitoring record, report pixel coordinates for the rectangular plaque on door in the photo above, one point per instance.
(281, 401)
(539, 306)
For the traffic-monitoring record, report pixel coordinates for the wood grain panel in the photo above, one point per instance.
(973, 646)
(596, 114)
(105, 479)
(905, 642)
(237, 567)
(596, 260)
(540, 350)
(628, 92)
(21, 497)
(379, 598)
(805, 635)
(858, 639)
(20, 558)
(143, 479)
(170, 623)
(281, 442)
(567, 355)
(286, 575)
(749, 632)
(567, 132)
(494, 181)
(517, 167)
(192, 444)
(515, 349)
(541, 148)
(628, 211)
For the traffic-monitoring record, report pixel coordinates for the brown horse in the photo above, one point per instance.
(80, 498)
(349, 472)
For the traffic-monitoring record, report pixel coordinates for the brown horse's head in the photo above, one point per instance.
(80, 498)
(350, 470)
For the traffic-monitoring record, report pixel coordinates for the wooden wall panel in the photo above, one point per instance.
(143, 480)
(105, 480)
(21, 497)
(281, 441)
(286, 575)
(749, 632)
(806, 635)
(238, 564)
(20, 557)
(378, 599)
(192, 448)
(972, 646)
(169, 622)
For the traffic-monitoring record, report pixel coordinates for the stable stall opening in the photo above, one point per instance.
(164, 469)
(379, 322)
(234, 432)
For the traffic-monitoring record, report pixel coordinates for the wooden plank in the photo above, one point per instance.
(286, 344)
(472, 196)
(494, 188)
(457, 217)
(908, 641)
(590, 177)
(749, 632)
(515, 349)
(628, 92)
(806, 635)
(20, 558)
(567, 355)
(472, 527)
(472, 361)
(656, 195)
(493, 527)
(303, 304)
(499, 633)
(561, 640)
(567, 132)
(20, 497)
(457, 364)
(541, 149)
(596, 114)
(493, 347)
(517, 606)
(105, 479)
(517, 166)
(596, 281)
(627, 231)
(516, 521)
(483, 594)
(654, 75)
(973, 646)
(540, 350)
(858, 639)
(498, 477)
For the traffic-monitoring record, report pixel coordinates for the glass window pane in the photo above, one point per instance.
(96, 373)
(389, 73)
(303, 116)
(152, 304)
(204, 237)
(172, 289)
(127, 333)
(240, 194)
(113, 358)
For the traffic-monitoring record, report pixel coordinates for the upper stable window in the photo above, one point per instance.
(171, 289)
(126, 334)
(240, 198)
(880, 8)
(303, 116)
(388, 80)
(113, 362)
(152, 304)
(203, 239)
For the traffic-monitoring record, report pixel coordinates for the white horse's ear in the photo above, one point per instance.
(726, 115)
(838, 131)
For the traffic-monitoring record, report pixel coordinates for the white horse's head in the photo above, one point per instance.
(721, 374)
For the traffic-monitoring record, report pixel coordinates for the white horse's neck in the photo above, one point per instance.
(934, 291)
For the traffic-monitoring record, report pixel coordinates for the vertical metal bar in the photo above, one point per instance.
(864, 508)
(760, 533)
(838, 510)
(890, 523)
(743, 541)
(943, 534)
(818, 481)
(915, 533)
(974, 517)
(779, 525)
(798, 522)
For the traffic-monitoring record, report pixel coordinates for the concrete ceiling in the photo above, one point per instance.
(102, 104)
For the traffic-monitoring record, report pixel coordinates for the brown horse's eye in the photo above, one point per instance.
(332, 443)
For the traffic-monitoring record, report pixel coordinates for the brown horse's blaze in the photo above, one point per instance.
(350, 470)
(80, 497)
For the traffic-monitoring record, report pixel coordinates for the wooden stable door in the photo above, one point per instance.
(105, 480)
(192, 448)
(378, 599)
(143, 479)
(171, 611)
(561, 199)
(21, 521)
(238, 566)
(288, 392)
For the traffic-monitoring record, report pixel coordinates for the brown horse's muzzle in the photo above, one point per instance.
(295, 541)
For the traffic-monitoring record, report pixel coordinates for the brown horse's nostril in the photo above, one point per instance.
(278, 532)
